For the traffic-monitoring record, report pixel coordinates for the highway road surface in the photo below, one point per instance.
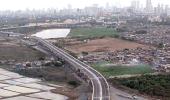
(101, 89)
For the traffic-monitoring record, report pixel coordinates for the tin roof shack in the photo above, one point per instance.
(152, 57)
(164, 68)
(167, 67)
(157, 36)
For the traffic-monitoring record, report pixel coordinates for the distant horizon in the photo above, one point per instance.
(15, 5)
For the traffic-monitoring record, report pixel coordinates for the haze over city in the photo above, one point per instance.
(60, 4)
(85, 50)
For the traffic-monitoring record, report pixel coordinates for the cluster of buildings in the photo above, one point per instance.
(95, 11)
(158, 59)
(156, 36)
(109, 16)
(157, 55)
(28, 64)
(149, 8)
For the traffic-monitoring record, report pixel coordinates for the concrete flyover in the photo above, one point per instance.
(100, 85)
(44, 26)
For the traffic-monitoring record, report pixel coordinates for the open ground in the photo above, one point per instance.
(101, 45)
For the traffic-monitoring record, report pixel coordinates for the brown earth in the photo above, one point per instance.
(101, 45)
(11, 50)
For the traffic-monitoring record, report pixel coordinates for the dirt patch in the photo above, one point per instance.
(10, 50)
(67, 92)
(101, 45)
(79, 93)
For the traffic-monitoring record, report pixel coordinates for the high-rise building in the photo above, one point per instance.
(161, 9)
(135, 5)
(166, 9)
(149, 7)
(107, 6)
(158, 10)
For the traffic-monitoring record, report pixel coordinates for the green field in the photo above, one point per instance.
(93, 32)
(122, 70)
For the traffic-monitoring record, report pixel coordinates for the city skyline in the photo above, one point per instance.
(60, 4)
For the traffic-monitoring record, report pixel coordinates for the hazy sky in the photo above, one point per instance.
(40, 4)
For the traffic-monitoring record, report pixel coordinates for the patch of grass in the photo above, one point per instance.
(122, 70)
(93, 32)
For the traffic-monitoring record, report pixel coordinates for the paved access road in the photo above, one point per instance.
(100, 85)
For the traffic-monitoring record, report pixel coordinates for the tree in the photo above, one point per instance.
(160, 45)
(84, 53)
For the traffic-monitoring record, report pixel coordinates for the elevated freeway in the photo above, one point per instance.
(99, 83)
(46, 26)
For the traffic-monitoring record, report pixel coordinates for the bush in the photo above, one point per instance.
(41, 58)
(84, 53)
(73, 83)
(160, 45)
(116, 36)
(158, 85)
(57, 63)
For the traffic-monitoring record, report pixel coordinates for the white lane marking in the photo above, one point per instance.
(48, 44)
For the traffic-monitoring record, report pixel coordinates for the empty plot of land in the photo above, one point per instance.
(11, 82)
(21, 89)
(10, 50)
(27, 80)
(24, 88)
(2, 77)
(6, 93)
(50, 96)
(3, 85)
(38, 86)
(22, 98)
(9, 74)
(106, 44)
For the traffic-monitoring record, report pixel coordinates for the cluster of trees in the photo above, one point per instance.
(154, 85)
(128, 39)
(55, 63)
(73, 83)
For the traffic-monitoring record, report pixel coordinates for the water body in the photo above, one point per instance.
(52, 33)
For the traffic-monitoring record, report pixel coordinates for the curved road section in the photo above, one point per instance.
(100, 85)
